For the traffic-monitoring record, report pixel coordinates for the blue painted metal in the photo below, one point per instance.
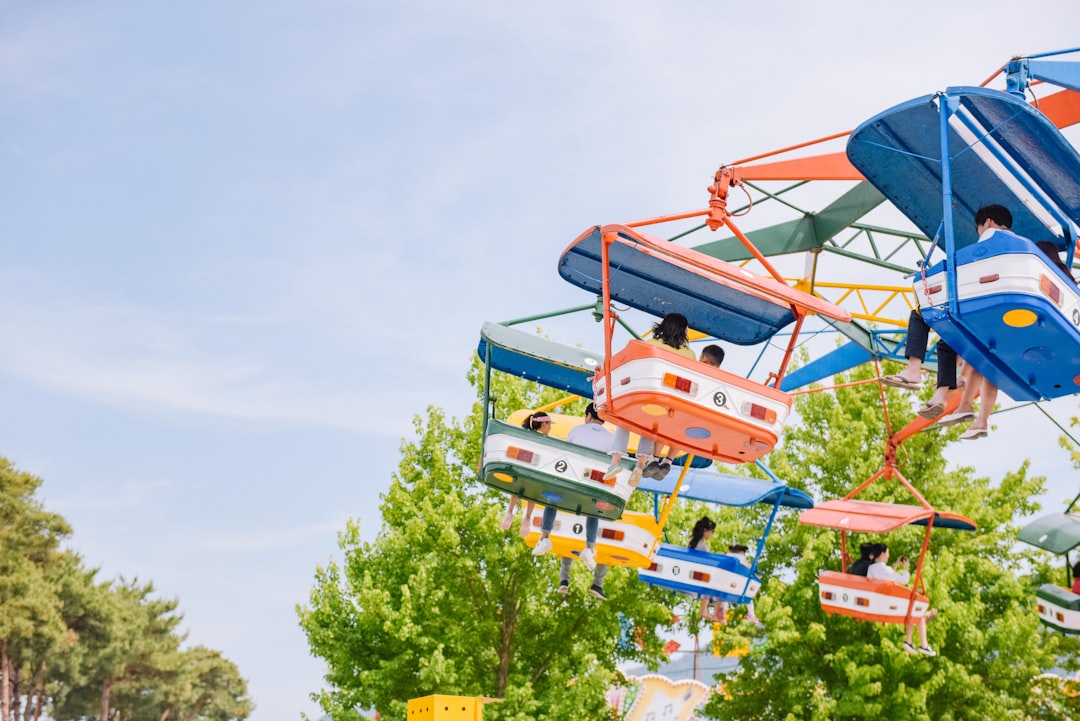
(939, 158)
(1031, 362)
(899, 151)
(728, 490)
(673, 553)
(657, 286)
(1020, 72)
(544, 361)
(843, 358)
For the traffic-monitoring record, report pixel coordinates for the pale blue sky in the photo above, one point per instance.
(243, 243)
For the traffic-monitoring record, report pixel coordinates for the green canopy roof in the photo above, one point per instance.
(1055, 532)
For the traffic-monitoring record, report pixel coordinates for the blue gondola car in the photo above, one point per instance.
(1001, 303)
(716, 575)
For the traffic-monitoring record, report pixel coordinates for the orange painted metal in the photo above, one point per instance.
(1062, 108)
(831, 166)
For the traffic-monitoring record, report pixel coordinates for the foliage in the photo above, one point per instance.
(446, 602)
(991, 645)
(77, 648)
(443, 602)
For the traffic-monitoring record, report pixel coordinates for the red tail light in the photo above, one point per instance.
(522, 455)
(860, 601)
(826, 595)
(679, 383)
(933, 289)
(654, 567)
(760, 412)
(612, 534)
(1050, 289)
(700, 576)
(593, 474)
(989, 278)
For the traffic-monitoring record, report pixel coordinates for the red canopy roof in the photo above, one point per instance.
(876, 517)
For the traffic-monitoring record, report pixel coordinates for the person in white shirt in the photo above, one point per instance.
(590, 434)
(880, 570)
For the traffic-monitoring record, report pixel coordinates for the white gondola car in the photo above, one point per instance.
(553, 472)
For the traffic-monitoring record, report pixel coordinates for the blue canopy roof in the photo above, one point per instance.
(718, 298)
(529, 356)
(728, 489)
(1001, 150)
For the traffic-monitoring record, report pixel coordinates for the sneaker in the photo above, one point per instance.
(910, 648)
(927, 651)
(597, 592)
(652, 470)
(635, 477)
(973, 433)
(506, 522)
(588, 557)
(613, 470)
(542, 546)
(564, 588)
(665, 466)
(959, 417)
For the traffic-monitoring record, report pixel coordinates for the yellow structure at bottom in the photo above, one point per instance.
(447, 708)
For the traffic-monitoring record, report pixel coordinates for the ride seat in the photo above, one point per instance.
(690, 405)
(868, 599)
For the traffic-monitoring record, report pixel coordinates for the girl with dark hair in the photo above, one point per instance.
(880, 570)
(671, 332)
(1076, 578)
(866, 552)
(541, 423)
(703, 531)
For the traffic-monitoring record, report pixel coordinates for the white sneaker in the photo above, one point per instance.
(542, 546)
(588, 557)
(959, 417)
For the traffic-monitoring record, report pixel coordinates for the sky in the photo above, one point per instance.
(243, 244)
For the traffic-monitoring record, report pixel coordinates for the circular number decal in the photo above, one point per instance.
(675, 570)
(1076, 316)
(578, 529)
(560, 466)
(719, 399)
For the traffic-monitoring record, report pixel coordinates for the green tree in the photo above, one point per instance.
(991, 646)
(445, 602)
(30, 613)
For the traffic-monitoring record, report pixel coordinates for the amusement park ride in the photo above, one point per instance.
(1000, 302)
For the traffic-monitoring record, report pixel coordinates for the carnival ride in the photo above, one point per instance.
(1058, 533)
(717, 575)
(1011, 312)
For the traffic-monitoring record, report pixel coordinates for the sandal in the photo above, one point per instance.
(930, 411)
(901, 382)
